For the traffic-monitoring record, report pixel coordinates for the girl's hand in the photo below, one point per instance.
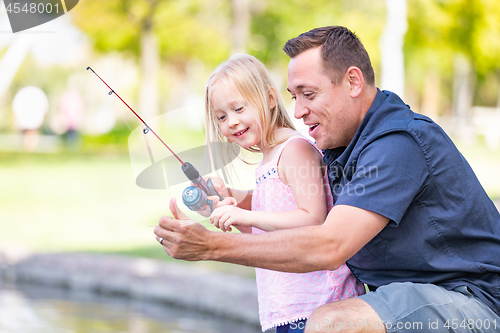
(226, 201)
(226, 216)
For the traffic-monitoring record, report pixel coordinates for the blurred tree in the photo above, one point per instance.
(275, 22)
(441, 34)
(153, 31)
(450, 50)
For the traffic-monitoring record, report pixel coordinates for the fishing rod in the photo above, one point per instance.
(194, 197)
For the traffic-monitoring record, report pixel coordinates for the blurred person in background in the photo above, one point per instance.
(71, 110)
(30, 106)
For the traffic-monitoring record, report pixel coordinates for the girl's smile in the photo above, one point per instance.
(241, 133)
(235, 115)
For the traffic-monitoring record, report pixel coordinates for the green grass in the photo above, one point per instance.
(69, 202)
(75, 202)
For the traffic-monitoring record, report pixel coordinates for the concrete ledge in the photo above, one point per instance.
(145, 279)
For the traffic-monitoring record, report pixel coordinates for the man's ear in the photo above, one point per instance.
(273, 97)
(355, 80)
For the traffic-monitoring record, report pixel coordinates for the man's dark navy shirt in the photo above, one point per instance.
(443, 229)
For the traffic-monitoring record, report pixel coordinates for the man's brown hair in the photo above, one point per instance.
(340, 49)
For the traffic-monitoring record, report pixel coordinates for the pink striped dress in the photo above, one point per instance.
(288, 297)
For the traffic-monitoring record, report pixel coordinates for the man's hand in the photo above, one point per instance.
(182, 238)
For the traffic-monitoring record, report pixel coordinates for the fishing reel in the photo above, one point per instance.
(195, 197)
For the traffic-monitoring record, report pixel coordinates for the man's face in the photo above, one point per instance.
(326, 108)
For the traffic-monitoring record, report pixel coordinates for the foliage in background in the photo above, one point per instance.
(185, 29)
(193, 36)
(275, 22)
(118, 138)
(439, 30)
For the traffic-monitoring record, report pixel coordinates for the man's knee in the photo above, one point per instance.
(350, 315)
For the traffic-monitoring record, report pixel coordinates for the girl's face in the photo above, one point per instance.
(235, 115)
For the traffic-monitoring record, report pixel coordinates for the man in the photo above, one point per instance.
(410, 218)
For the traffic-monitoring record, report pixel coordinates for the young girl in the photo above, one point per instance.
(244, 107)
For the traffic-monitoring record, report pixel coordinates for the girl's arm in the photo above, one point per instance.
(301, 168)
(243, 197)
(243, 230)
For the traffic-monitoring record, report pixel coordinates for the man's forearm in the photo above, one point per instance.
(285, 250)
(346, 230)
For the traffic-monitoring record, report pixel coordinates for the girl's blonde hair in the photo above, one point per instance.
(251, 78)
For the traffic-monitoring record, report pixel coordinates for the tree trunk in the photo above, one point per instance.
(431, 95)
(150, 66)
(498, 99)
(240, 26)
(12, 60)
(463, 89)
(391, 44)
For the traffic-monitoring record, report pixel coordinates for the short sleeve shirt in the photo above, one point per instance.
(443, 227)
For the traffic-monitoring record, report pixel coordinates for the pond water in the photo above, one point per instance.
(34, 309)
